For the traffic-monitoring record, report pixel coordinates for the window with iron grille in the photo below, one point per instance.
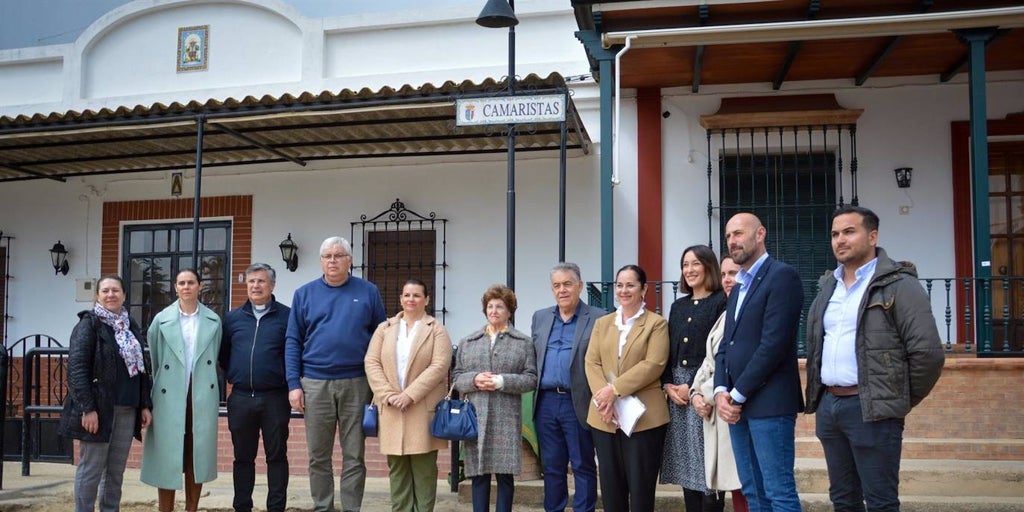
(792, 178)
(153, 254)
(794, 196)
(398, 244)
(394, 257)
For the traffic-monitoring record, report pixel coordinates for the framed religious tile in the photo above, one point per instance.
(193, 48)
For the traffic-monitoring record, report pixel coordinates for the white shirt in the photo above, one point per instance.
(625, 326)
(189, 331)
(839, 347)
(744, 279)
(404, 346)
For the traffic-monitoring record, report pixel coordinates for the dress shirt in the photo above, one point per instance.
(558, 354)
(189, 331)
(838, 349)
(744, 279)
(625, 326)
(403, 348)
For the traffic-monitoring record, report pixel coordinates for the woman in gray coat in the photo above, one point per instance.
(494, 367)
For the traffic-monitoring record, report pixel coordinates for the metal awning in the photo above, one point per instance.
(409, 121)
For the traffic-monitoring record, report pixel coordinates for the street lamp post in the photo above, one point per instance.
(500, 14)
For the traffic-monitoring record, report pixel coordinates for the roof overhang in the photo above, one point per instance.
(694, 43)
(409, 121)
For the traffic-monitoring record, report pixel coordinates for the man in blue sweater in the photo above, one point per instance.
(252, 356)
(331, 323)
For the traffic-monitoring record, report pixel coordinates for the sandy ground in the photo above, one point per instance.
(49, 488)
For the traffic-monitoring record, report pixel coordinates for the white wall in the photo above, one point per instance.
(902, 125)
(247, 45)
(311, 205)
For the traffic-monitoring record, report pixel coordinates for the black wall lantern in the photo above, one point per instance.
(903, 176)
(289, 253)
(59, 258)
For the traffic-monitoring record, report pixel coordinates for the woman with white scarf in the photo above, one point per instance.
(108, 395)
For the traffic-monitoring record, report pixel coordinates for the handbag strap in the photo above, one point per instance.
(449, 395)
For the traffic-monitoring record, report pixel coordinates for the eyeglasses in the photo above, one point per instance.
(331, 257)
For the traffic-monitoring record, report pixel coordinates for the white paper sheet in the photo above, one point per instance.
(628, 410)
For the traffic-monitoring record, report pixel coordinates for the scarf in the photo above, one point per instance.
(128, 345)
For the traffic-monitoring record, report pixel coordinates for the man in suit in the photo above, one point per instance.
(560, 337)
(856, 351)
(757, 389)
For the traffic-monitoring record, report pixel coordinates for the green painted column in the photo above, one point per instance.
(605, 57)
(976, 40)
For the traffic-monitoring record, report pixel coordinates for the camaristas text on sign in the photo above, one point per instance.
(549, 108)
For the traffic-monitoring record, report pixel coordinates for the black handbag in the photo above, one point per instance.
(454, 420)
(370, 420)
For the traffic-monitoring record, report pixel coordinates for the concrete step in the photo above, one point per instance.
(937, 448)
(925, 486)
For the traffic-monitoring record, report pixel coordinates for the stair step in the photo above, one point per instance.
(937, 448)
(925, 486)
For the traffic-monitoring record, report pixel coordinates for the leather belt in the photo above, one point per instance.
(842, 391)
(557, 389)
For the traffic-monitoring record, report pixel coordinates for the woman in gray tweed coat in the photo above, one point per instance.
(494, 367)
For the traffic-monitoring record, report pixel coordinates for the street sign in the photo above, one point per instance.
(547, 108)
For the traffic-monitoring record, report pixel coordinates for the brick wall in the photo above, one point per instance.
(975, 412)
(238, 208)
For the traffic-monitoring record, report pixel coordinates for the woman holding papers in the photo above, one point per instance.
(625, 360)
(689, 323)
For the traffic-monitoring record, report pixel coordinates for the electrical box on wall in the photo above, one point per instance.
(85, 290)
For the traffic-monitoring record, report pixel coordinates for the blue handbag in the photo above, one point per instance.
(370, 420)
(454, 420)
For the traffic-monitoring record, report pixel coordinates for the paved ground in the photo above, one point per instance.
(50, 486)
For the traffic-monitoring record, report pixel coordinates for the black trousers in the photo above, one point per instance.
(628, 468)
(248, 417)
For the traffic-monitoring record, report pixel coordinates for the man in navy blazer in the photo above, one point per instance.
(561, 335)
(757, 386)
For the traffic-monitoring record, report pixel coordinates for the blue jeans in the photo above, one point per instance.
(764, 450)
(563, 440)
(863, 458)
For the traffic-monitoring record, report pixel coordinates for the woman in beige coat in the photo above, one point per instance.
(719, 464)
(626, 357)
(407, 368)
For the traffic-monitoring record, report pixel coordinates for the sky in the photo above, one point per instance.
(26, 23)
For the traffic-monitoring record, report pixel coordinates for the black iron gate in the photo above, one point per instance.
(36, 386)
(398, 244)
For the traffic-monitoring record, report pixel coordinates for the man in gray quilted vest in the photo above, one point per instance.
(873, 353)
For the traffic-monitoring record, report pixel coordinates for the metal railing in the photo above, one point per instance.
(953, 305)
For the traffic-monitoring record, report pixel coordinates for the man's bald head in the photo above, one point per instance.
(744, 237)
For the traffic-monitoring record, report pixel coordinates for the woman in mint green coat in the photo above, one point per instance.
(184, 340)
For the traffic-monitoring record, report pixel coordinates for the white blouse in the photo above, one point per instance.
(189, 332)
(404, 347)
(625, 326)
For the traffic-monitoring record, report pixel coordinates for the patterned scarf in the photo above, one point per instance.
(127, 344)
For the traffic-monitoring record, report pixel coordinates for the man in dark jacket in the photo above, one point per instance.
(873, 353)
(252, 356)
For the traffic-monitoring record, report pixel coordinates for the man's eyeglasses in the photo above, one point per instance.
(331, 257)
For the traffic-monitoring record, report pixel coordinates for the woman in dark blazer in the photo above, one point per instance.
(691, 318)
(184, 341)
(108, 395)
(626, 357)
